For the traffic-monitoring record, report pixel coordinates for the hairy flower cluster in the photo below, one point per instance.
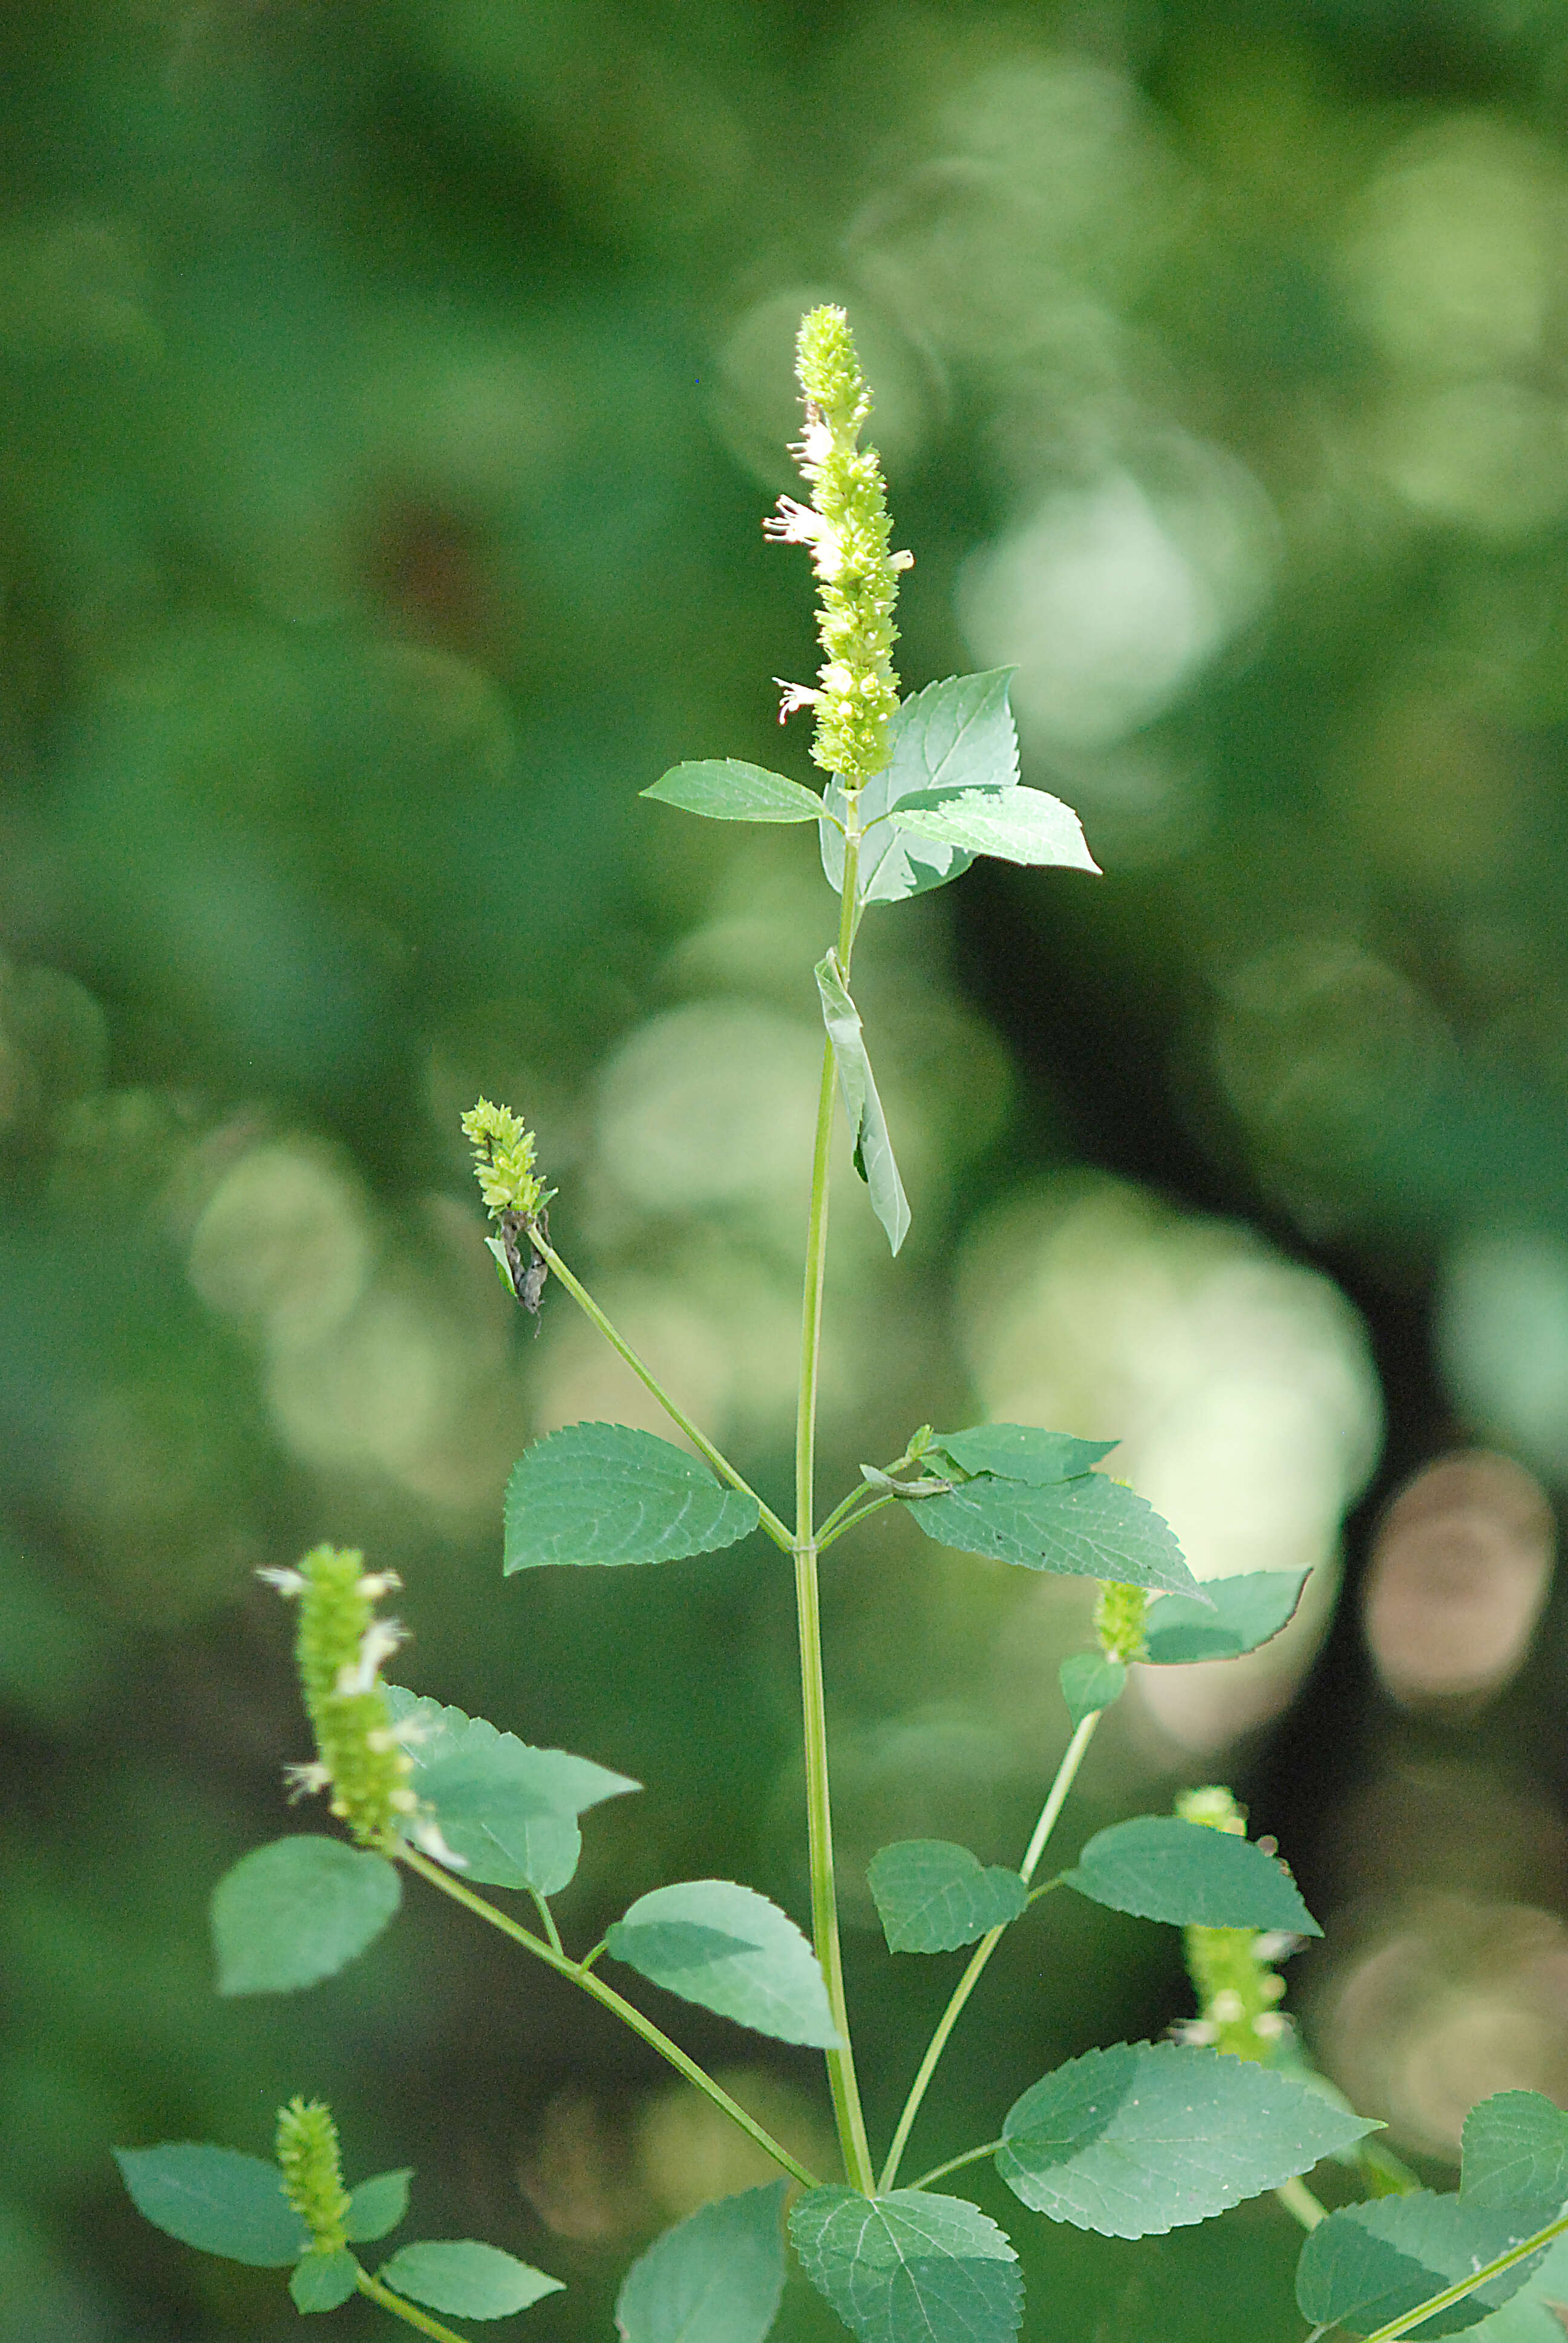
(1232, 1969)
(311, 2163)
(846, 527)
(1120, 1618)
(504, 1151)
(360, 1756)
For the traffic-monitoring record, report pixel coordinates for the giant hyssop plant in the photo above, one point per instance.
(1130, 2141)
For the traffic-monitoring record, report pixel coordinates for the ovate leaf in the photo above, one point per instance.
(1017, 825)
(908, 2267)
(377, 2206)
(1242, 1612)
(1162, 1868)
(509, 1809)
(954, 735)
(1152, 2136)
(1018, 1451)
(725, 790)
(716, 2277)
(324, 2281)
(298, 1910)
(1091, 1681)
(728, 1949)
(873, 1148)
(932, 1896)
(602, 1492)
(1515, 2148)
(1089, 1527)
(465, 2280)
(215, 2198)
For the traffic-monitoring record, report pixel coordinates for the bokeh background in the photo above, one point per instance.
(392, 391)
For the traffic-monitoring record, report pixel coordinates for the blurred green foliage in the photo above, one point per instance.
(391, 390)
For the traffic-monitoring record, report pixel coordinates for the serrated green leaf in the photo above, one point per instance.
(954, 735)
(1020, 1451)
(716, 2277)
(604, 1494)
(509, 1809)
(1152, 2136)
(723, 788)
(324, 2281)
(217, 2199)
(910, 2267)
(377, 2206)
(932, 1896)
(298, 1910)
(1162, 1868)
(1242, 1612)
(464, 2279)
(1016, 825)
(1089, 1527)
(873, 1148)
(1515, 2151)
(1091, 1681)
(728, 1949)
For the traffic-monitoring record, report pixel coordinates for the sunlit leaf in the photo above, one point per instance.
(728, 1949)
(298, 1910)
(605, 1494)
(932, 1896)
(215, 2198)
(958, 734)
(1162, 1868)
(1017, 825)
(1020, 1451)
(509, 1810)
(1091, 1681)
(1089, 1527)
(715, 2278)
(466, 2279)
(910, 2267)
(377, 2206)
(1153, 2136)
(1242, 1612)
(324, 2281)
(725, 790)
(873, 1148)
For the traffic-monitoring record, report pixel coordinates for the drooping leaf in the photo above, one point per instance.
(728, 1949)
(1018, 1451)
(873, 1148)
(605, 1494)
(215, 2198)
(932, 1896)
(726, 789)
(910, 2267)
(1091, 1681)
(1152, 2136)
(324, 2281)
(715, 2278)
(1089, 1527)
(1162, 1868)
(1242, 1612)
(378, 2205)
(509, 1809)
(298, 1910)
(954, 735)
(466, 2279)
(1017, 825)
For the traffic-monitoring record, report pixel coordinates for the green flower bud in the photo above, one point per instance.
(1232, 1969)
(504, 1151)
(846, 527)
(311, 2163)
(1121, 1617)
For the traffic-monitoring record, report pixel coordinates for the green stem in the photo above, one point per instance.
(607, 1994)
(1065, 1773)
(954, 2164)
(406, 2310)
(833, 1529)
(1298, 2199)
(847, 2111)
(645, 1374)
(1465, 2286)
(549, 1917)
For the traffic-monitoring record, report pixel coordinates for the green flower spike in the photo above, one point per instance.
(503, 1152)
(1233, 1968)
(1121, 1617)
(312, 2168)
(846, 525)
(339, 1649)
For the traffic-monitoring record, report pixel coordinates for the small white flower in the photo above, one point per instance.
(1269, 2025)
(379, 1641)
(426, 1834)
(900, 560)
(377, 1583)
(796, 697)
(306, 1781)
(1195, 2033)
(1273, 1944)
(289, 1583)
(793, 524)
(1227, 2006)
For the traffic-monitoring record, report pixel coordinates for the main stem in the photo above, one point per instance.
(847, 2111)
(1055, 1799)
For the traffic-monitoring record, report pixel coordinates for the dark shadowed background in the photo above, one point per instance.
(392, 390)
